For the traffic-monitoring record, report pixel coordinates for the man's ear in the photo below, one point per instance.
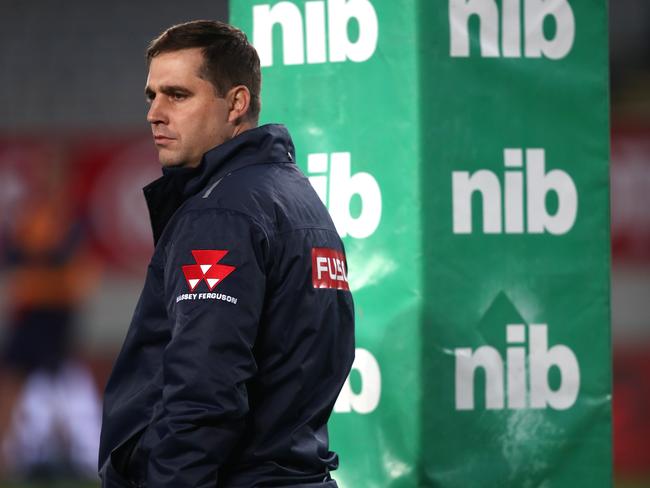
(239, 102)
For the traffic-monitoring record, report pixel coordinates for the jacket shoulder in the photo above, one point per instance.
(276, 195)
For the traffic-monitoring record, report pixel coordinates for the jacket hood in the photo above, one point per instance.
(263, 144)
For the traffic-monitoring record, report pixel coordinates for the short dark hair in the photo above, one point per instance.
(230, 59)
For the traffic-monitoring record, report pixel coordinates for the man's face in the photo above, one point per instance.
(187, 117)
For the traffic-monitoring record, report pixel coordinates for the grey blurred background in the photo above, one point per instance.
(80, 64)
(71, 105)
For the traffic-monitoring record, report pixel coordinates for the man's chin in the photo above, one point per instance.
(169, 163)
(168, 160)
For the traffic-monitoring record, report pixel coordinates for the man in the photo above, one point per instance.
(243, 335)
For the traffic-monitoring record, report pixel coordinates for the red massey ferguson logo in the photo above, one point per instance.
(206, 269)
(329, 269)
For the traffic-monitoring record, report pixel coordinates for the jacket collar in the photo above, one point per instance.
(264, 144)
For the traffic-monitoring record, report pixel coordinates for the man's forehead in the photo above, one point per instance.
(174, 67)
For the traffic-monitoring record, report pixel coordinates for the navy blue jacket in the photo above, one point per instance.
(244, 332)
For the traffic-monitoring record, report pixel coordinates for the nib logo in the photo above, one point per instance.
(206, 268)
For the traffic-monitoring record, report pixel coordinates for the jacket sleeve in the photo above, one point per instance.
(214, 288)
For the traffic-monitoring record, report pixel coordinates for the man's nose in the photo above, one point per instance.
(156, 113)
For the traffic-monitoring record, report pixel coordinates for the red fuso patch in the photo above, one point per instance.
(329, 269)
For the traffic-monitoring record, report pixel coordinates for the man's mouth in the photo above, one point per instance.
(161, 140)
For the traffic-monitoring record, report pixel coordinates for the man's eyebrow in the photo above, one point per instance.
(171, 89)
(167, 90)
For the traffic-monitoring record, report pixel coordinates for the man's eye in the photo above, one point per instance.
(179, 96)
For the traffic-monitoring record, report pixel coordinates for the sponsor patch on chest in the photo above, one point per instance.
(329, 269)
